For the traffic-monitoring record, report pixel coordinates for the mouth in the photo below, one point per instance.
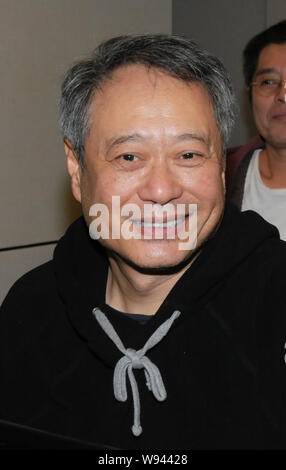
(165, 224)
(280, 116)
(163, 230)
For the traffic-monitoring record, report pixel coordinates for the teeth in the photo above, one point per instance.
(169, 223)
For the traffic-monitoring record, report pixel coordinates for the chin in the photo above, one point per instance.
(156, 261)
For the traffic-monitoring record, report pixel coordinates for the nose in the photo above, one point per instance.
(281, 95)
(160, 185)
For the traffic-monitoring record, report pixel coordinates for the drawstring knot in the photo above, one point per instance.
(133, 359)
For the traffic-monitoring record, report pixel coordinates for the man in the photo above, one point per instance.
(256, 173)
(137, 341)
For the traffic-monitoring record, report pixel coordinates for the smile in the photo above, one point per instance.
(169, 223)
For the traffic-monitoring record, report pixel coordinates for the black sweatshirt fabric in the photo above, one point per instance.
(222, 361)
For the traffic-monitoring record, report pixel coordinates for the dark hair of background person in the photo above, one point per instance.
(179, 57)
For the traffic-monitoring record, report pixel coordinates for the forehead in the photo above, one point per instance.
(272, 56)
(136, 97)
(141, 80)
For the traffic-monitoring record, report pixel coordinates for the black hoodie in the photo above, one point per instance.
(222, 361)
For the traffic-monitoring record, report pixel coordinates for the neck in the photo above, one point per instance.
(132, 291)
(272, 167)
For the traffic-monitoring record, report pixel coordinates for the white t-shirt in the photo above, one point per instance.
(269, 203)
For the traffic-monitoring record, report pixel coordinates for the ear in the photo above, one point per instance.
(223, 167)
(74, 169)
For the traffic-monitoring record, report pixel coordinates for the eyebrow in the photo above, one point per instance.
(114, 141)
(192, 136)
(122, 139)
(266, 70)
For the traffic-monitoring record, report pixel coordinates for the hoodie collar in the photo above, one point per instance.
(81, 269)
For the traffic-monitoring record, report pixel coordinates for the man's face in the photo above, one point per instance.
(153, 140)
(270, 111)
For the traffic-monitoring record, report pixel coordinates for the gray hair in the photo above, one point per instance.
(177, 56)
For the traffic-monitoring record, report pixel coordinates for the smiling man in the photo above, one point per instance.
(153, 140)
(130, 340)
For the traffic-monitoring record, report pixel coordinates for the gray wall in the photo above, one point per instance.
(38, 40)
(224, 27)
(275, 11)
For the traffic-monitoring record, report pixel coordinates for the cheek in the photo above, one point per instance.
(100, 188)
(90, 192)
(207, 186)
(260, 109)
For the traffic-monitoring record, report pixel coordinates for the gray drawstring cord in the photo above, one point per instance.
(136, 360)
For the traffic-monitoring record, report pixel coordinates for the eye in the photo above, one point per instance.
(128, 162)
(192, 159)
(128, 157)
(189, 155)
(269, 82)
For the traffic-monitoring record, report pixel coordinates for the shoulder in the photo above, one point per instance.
(236, 155)
(254, 242)
(268, 246)
(31, 304)
(35, 283)
(274, 254)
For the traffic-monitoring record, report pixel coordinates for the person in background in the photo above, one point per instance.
(256, 172)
